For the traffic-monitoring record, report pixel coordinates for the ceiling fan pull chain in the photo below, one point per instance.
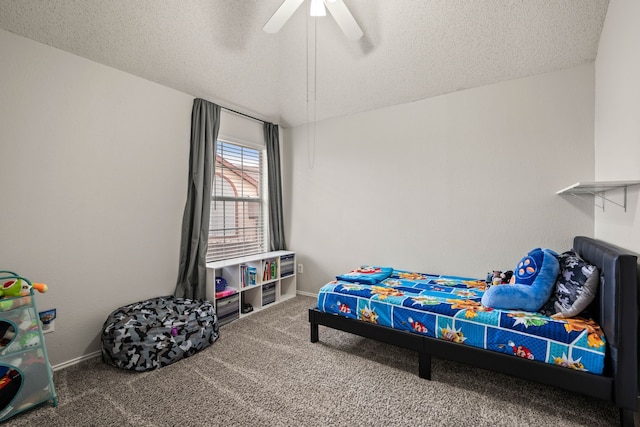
(311, 98)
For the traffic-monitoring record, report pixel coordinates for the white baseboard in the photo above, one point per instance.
(307, 294)
(75, 361)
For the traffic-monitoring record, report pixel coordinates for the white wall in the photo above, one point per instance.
(239, 129)
(93, 180)
(459, 184)
(617, 123)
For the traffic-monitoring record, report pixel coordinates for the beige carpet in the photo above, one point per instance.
(263, 371)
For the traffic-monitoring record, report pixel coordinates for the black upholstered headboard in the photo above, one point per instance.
(616, 310)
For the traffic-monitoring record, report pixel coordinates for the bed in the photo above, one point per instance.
(605, 369)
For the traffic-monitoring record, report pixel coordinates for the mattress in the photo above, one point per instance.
(449, 308)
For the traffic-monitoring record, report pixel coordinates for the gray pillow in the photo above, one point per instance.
(576, 286)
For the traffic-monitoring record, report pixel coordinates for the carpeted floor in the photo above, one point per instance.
(264, 371)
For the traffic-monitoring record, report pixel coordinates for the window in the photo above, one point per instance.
(237, 223)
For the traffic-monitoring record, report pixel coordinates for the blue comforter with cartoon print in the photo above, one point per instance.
(449, 308)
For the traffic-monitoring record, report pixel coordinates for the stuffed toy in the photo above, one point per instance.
(497, 277)
(11, 288)
(532, 283)
(17, 287)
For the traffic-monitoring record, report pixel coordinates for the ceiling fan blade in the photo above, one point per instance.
(345, 19)
(282, 15)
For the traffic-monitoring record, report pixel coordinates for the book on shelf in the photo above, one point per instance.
(248, 275)
(252, 276)
(270, 270)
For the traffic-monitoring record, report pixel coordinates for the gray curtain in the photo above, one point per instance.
(205, 123)
(276, 221)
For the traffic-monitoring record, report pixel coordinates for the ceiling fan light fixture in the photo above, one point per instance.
(337, 8)
(317, 8)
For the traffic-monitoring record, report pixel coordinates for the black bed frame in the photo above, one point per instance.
(615, 309)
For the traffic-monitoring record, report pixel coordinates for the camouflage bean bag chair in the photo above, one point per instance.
(150, 334)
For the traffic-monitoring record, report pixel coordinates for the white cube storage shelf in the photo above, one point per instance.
(254, 278)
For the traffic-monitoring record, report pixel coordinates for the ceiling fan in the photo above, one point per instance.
(338, 10)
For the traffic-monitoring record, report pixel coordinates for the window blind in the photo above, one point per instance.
(237, 225)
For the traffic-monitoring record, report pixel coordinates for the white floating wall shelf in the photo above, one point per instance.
(599, 190)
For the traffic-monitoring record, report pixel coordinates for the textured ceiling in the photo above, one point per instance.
(412, 49)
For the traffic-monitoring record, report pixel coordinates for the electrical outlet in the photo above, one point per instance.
(300, 269)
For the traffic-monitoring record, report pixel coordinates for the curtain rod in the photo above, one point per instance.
(243, 114)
